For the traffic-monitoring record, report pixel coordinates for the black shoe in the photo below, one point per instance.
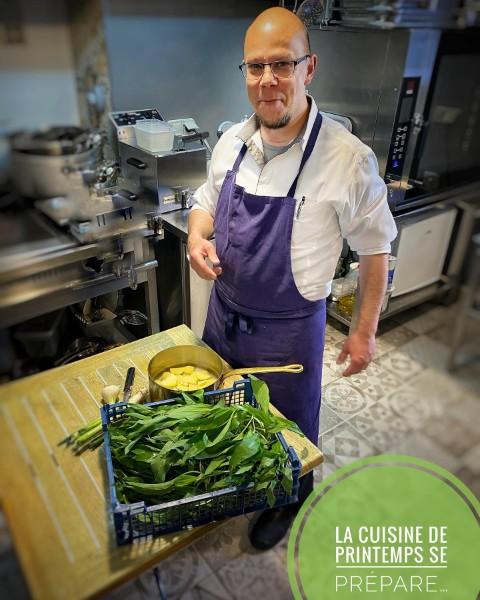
(273, 523)
(271, 526)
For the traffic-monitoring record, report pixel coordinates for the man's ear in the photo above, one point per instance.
(311, 67)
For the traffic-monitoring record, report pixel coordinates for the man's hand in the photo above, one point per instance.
(361, 349)
(360, 345)
(199, 250)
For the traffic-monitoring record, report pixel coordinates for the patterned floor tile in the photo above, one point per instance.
(421, 319)
(340, 447)
(328, 375)
(133, 590)
(225, 543)
(392, 338)
(442, 334)
(262, 575)
(344, 399)
(414, 407)
(420, 445)
(468, 410)
(400, 364)
(448, 322)
(380, 426)
(427, 351)
(453, 434)
(146, 588)
(335, 330)
(330, 356)
(382, 346)
(469, 375)
(328, 419)
(436, 387)
(281, 549)
(469, 478)
(207, 589)
(471, 459)
(375, 382)
(179, 573)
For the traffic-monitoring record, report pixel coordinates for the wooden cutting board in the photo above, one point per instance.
(56, 504)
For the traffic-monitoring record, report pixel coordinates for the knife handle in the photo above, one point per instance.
(129, 379)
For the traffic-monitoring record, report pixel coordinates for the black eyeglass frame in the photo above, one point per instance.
(295, 62)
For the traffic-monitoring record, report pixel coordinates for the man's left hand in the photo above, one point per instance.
(361, 349)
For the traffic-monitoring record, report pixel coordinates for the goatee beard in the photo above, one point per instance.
(278, 124)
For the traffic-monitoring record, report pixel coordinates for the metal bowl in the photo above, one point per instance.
(179, 356)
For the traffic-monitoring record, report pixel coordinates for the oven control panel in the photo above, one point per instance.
(403, 126)
(123, 122)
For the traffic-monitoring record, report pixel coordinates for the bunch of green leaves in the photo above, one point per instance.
(173, 451)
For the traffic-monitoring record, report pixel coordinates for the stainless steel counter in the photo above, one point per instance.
(177, 223)
(43, 269)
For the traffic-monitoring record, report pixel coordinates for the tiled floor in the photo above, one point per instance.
(406, 402)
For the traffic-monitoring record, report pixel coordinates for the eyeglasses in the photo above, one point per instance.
(281, 69)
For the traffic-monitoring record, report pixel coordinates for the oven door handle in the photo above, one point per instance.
(138, 164)
(140, 268)
(422, 131)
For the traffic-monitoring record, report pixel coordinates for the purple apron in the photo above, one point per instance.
(256, 315)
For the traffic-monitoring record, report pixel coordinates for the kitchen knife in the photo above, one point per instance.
(127, 389)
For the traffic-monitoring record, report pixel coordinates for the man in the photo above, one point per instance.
(282, 191)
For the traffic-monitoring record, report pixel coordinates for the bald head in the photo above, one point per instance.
(278, 38)
(278, 24)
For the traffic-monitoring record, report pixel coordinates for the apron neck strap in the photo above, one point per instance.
(240, 156)
(312, 138)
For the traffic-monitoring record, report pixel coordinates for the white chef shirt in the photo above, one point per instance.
(344, 195)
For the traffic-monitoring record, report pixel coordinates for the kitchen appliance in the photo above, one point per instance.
(41, 161)
(122, 126)
(166, 179)
(413, 95)
(425, 234)
(378, 13)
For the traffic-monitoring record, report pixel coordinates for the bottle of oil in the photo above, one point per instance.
(349, 287)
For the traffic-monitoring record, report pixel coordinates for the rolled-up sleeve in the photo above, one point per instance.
(206, 196)
(365, 220)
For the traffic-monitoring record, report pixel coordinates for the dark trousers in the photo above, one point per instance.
(305, 488)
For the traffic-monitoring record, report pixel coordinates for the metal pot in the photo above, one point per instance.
(203, 358)
(41, 161)
(54, 141)
(42, 176)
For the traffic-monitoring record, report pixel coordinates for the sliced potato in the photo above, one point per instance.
(167, 380)
(202, 374)
(176, 370)
(186, 378)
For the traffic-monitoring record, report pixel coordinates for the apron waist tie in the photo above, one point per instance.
(232, 318)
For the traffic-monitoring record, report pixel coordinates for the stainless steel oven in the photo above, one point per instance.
(413, 95)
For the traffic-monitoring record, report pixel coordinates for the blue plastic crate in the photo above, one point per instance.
(138, 521)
